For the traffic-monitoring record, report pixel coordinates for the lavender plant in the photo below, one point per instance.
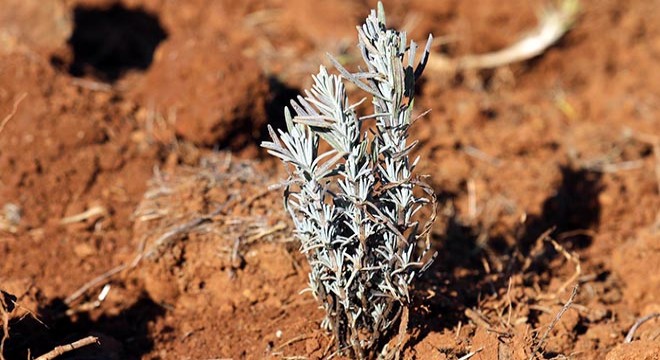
(356, 206)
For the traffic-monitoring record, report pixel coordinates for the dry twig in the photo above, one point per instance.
(94, 282)
(292, 341)
(510, 303)
(265, 232)
(5, 309)
(470, 354)
(13, 111)
(554, 322)
(59, 350)
(554, 23)
(637, 324)
(8, 303)
(403, 332)
(538, 246)
(477, 318)
(87, 214)
(472, 199)
(570, 257)
(92, 85)
(90, 305)
(480, 155)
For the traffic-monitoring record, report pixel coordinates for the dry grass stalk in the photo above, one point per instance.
(14, 108)
(161, 207)
(554, 322)
(97, 281)
(6, 307)
(292, 341)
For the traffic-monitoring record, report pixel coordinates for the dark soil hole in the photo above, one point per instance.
(107, 42)
(121, 336)
(281, 96)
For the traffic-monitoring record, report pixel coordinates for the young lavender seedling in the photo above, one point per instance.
(356, 206)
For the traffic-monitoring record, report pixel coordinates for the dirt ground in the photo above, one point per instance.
(133, 152)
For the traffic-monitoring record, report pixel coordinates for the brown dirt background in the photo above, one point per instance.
(149, 113)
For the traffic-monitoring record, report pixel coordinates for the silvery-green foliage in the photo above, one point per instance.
(354, 206)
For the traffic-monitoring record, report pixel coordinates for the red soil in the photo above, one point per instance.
(558, 142)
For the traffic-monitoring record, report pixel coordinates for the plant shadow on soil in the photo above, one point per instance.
(107, 42)
(125, 335)
(457, 280)
(281, 96)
